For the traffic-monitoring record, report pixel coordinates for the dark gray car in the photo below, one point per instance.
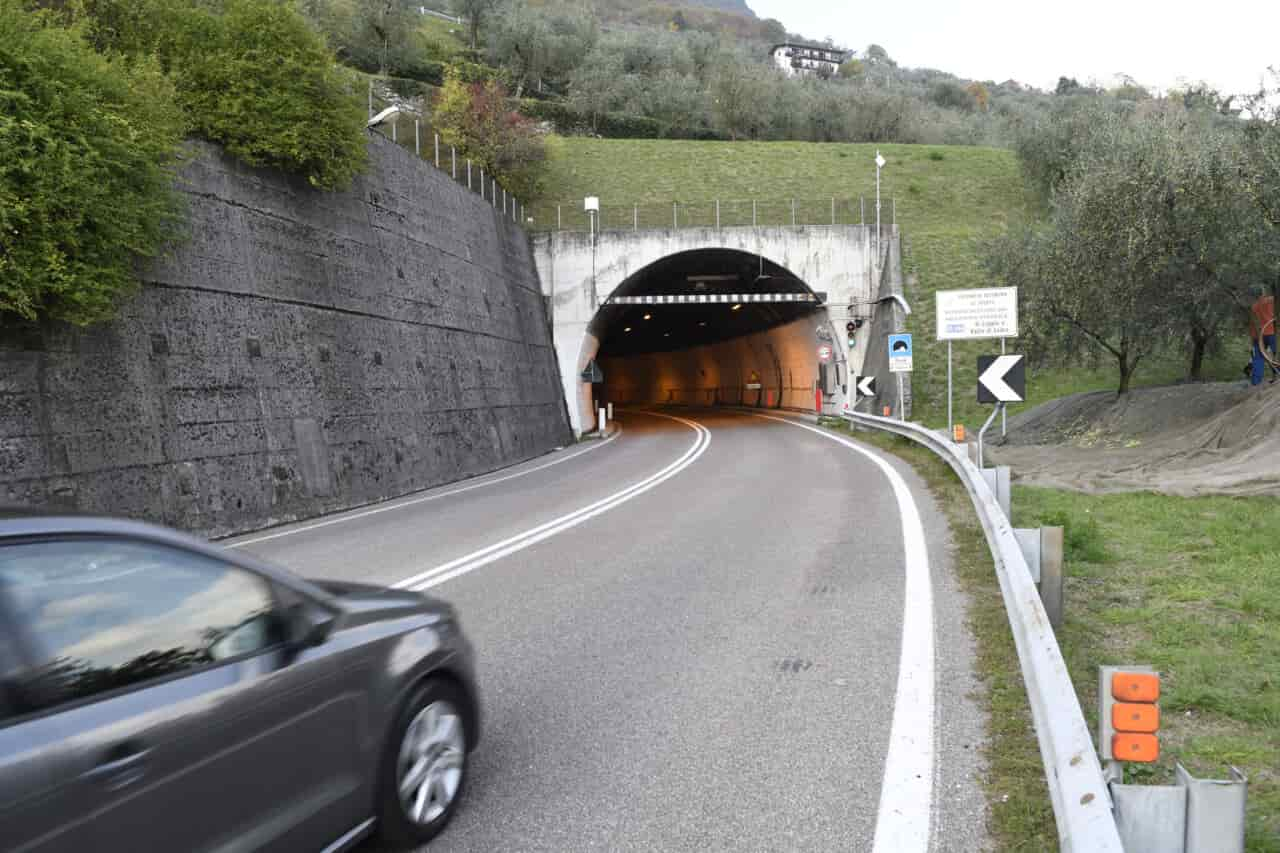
(160, 693)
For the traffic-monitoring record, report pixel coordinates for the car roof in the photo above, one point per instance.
(18, 523)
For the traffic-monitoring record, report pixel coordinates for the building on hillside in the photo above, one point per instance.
(808, 59)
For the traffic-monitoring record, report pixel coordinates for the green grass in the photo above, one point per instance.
(950, 200)
(1188, 585)
(1192, 587)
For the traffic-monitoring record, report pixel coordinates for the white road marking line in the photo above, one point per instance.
(906, 792)
(401, 503)
(484, 556)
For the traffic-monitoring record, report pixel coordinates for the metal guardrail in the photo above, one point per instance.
(1081, 801)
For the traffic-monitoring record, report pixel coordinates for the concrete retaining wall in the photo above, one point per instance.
(301, 352)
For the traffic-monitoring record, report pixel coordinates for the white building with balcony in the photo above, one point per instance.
(808, 59)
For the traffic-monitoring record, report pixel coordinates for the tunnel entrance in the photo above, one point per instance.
(714, 327)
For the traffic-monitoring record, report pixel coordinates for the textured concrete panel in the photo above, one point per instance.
(300, 352)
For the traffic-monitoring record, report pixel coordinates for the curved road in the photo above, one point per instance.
(691, 637)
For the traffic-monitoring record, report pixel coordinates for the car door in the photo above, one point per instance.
(188, 720)
(26, 751)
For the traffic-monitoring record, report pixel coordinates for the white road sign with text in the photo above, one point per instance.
(970, 314)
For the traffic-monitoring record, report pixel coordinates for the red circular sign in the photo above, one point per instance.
(824, 353)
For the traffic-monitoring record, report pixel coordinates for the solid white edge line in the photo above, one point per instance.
(469, 562)
(401, 503)
(906, 793)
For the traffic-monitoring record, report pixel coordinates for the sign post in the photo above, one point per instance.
(964, 315)
(1002, 379)
(900, 362)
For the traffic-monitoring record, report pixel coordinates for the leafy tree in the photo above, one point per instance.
(476, 12)
(951, 95)
(741, 95)
(87, 148)
(1146, 242)
(475, 117)
(256, 78)
(980, 95)
(852, 69)
(387, 25)
(1048, 148)
(878, 56)
(1262, 171)
(773, 31)
(596, 85)
(539, 44)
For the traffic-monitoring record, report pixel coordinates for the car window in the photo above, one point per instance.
(105, 615)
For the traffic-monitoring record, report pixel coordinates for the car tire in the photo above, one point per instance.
(424, 770)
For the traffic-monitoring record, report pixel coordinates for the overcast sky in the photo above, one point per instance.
(1227, 43)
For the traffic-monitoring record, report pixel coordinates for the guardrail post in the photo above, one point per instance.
(395, 122)
(675, 214)
(453, 156)
(559, 221)
(998, 480)
(468, 173)
(494, 190)
(417, 138)
(717, 213)
(437, 150)
(753, 213)
(999, 407)
(833, 211)
(1051, 546)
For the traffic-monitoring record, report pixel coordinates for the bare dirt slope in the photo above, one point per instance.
(1194, 439)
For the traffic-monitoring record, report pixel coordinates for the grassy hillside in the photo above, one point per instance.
(950, 200)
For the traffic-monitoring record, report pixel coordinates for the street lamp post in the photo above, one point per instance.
(879, 165)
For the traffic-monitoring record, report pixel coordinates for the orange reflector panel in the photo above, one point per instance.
(1135, 686)
(1131, 717)
(888, 410)
(1135, 747)
(957, 433)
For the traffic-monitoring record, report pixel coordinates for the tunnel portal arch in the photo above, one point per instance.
(587, 280)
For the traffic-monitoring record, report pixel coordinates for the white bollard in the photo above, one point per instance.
(601, 421)
(610, 408)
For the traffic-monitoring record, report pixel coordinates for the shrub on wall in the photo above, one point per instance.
(87, 146)
(256, 78)
(478, 119)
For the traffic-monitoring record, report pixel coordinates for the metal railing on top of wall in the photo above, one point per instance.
(1077, 788)
(414, 134)
(713, 213)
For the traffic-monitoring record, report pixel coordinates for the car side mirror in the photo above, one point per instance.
(309, 625)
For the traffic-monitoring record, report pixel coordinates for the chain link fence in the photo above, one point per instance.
(722, 213)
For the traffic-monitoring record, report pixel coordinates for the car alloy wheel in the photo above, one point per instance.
(430, 763)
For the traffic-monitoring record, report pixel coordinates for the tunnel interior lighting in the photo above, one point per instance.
(703, 323)
(648, 316)
(627, 329)
(722, 277)
(736, 307)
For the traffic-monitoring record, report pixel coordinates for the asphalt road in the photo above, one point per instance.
(706, 662)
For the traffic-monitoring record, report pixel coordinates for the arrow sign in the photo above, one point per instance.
(1001, 379)
(865, 385)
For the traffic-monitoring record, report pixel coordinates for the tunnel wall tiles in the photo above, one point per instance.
(301, 352)
(719, 373)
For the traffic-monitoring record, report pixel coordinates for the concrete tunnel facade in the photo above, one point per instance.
(762, 354)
